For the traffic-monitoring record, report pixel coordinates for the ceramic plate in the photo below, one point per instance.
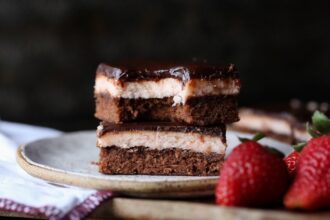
(71, 159)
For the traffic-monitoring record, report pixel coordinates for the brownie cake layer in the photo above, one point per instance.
(145, 161)
(160, 148)
(201, 111)
(184, 93)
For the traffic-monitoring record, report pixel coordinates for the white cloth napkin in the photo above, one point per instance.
(20, 192)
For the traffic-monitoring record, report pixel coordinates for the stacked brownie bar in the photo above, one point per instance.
(164, 119)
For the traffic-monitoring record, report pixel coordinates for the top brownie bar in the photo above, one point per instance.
(199, 94)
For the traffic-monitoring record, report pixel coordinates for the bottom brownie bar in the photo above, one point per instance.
(161, 149)
(142, 160)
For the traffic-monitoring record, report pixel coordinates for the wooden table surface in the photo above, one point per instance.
(115, 208)
(133, 208)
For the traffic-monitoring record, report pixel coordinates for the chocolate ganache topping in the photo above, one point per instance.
(157, 71)
(219, 130)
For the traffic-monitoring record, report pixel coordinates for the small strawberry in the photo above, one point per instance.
(291, 162)
(311, 187)
(292, 159)
(252, 176)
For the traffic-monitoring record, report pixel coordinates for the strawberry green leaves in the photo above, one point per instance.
(298, 147)
(255, 138)
(320, 125)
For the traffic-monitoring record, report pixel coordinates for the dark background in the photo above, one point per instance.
(49, 50)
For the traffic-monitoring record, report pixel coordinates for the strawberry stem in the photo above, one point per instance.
(298, 147)
(258, 136)
(255, 138)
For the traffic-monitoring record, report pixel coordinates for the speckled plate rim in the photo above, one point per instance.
(189, 188)
(171, 187)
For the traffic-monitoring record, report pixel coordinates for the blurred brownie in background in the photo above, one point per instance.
(282, 126)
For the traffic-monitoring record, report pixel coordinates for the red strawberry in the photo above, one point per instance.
(252, 176)
(291, 162)
(311, 187)
(320, 125)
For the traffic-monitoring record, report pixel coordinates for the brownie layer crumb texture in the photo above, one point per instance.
(142, 160)
(202, 111)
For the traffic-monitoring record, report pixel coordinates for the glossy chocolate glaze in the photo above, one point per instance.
(219, 130)
(155, 71)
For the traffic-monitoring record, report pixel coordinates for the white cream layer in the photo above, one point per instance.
(163, 140)
(168, 87)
